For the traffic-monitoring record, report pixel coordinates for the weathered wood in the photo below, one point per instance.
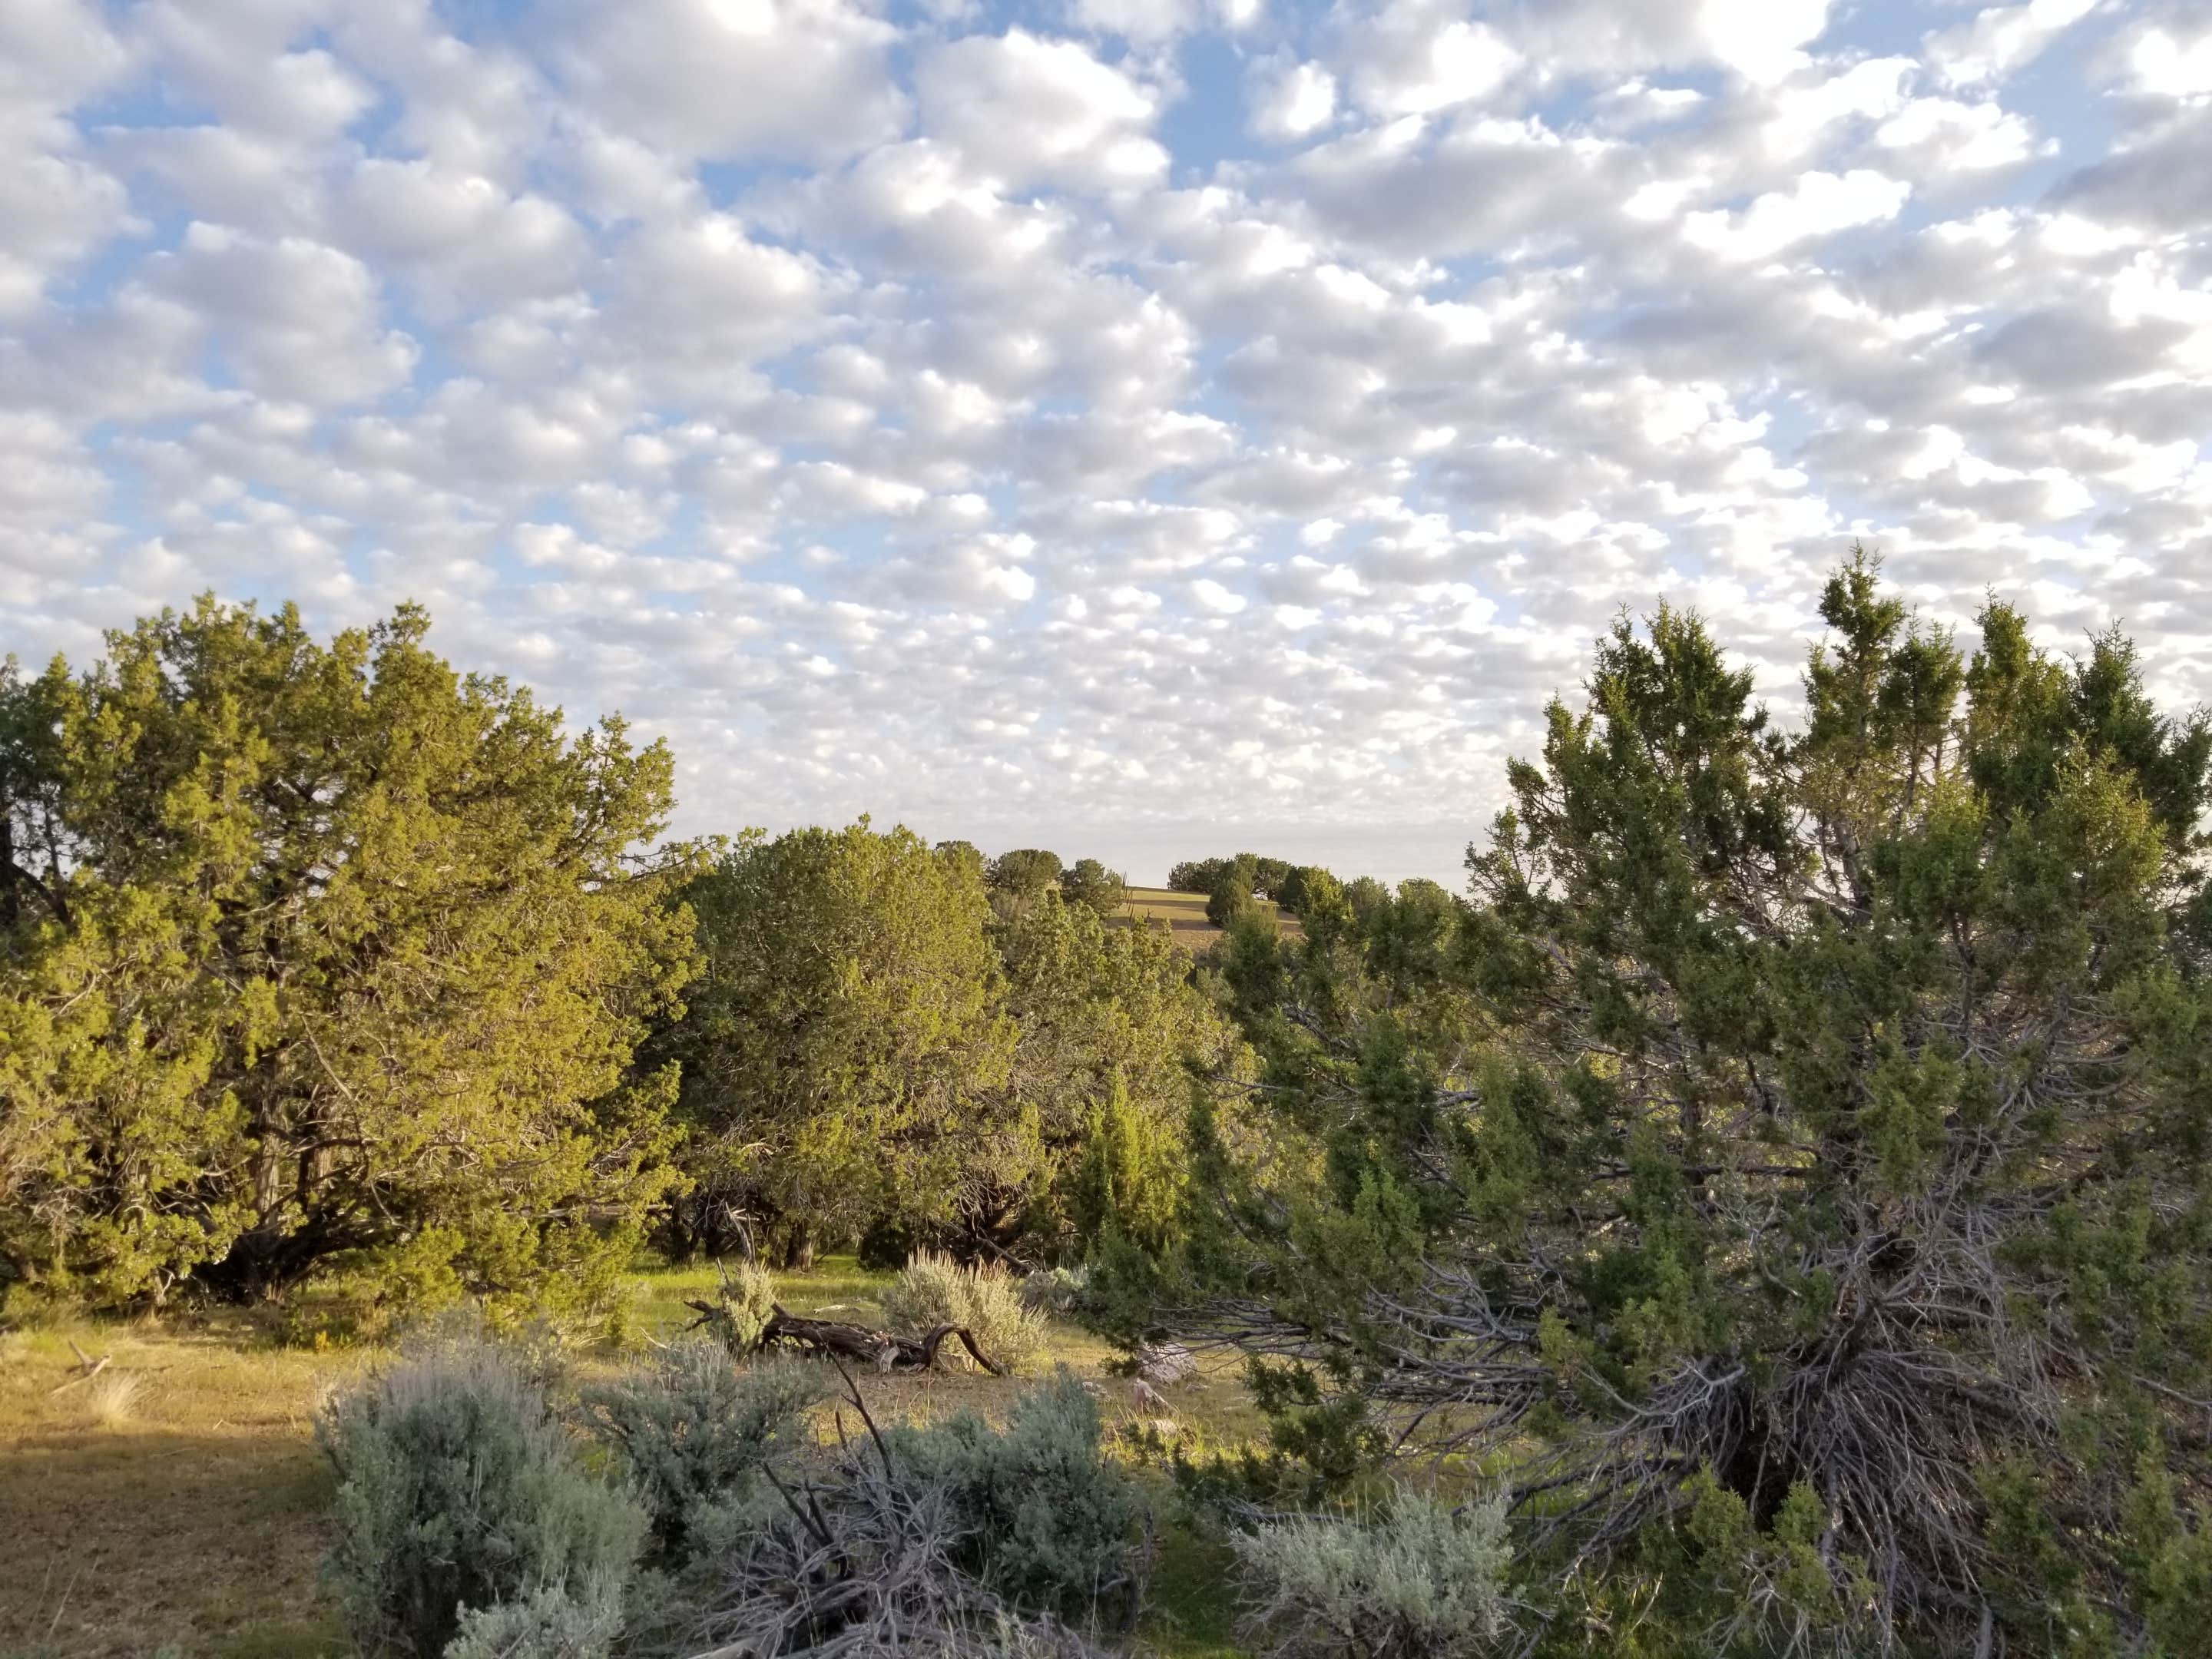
(884, 1350)
(93, 1368)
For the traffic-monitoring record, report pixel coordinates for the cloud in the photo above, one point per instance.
(1762, 40)
(732, 80)
(1415, 58)
(1818, 205)
(2171, 63)
(1289, 100)
(1026, 110)
(295, 319)
(1132, 426)
(55, 200)
(2000, 40)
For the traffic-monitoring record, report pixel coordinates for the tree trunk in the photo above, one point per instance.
(797, 1253)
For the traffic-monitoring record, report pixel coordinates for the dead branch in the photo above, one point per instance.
(88, 1368)
(884, 1349)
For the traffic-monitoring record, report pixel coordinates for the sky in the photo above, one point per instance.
(1146, 428)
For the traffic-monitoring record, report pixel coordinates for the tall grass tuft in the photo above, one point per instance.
(934, 1290)
(110, 1399)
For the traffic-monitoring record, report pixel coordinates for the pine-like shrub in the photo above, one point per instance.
(693, 1430)
(460, 1488)
(1044, 1517)
(1419, 1579)
(934, 1290)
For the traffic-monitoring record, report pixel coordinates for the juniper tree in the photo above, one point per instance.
(842, 1035)
(1025, 873)
(869, 1053)
(1112, 1039)
(1089, 883)
(1810, 1217)
(321, 950)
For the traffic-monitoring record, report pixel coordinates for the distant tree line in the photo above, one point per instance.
(1233, 885)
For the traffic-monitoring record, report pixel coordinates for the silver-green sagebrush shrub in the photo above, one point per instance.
(1054, 1291)
(550, 1622)
(693, 1430)
(460, 1488)
(934, 1290)
(1418, 1581)
(1045, 1517)
(742, 1308)
(952, 1541)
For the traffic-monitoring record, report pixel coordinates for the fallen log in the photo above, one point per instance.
(886, 1350)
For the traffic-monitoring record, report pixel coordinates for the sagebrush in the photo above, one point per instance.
(693, 1430)
(459, 1487)
(548, 1623)
(951, 1539)
(1045, 1516)
(1414, 1580)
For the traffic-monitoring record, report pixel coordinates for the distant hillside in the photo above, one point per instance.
(1185, 915)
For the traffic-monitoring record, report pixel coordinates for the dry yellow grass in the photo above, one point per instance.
(190, 1510)
(110, 1399)
(192, 1516)
(1184, 913)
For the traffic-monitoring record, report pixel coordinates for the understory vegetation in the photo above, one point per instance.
(486, 1507)
(1767, 1214)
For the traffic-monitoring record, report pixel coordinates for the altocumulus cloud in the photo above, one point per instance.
(1132, 425)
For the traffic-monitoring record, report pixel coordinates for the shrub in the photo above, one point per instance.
(459, 1488)
(549, 1623)
(934, 1290)
(920, 1544)
(1043, 1517)
(1419, 1579)
(693, 1430)
(745, 1305)
(1055, 1293)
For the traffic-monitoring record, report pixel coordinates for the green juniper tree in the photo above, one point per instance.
(1025, 873)
(870, 1054)
(1089, 883)
(1789, 1168)
(323, 951)
(842, 1038)
(1113, 1038)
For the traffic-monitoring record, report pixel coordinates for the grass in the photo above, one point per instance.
(193, 1515)
(111, 1400)
(184, 1504)
(1185, 915)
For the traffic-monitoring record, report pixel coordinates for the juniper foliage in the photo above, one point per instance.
(1817, 1118)
(318, 951)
